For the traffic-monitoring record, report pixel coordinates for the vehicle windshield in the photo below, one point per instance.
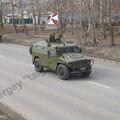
(62, 50)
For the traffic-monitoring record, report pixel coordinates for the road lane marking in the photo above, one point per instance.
(1, 56)
(100, 85)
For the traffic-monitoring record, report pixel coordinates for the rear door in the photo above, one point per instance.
(52, 59)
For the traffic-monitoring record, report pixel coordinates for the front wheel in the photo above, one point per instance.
(63, 72)
(38, 66)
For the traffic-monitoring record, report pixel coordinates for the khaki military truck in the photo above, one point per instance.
(64, 58)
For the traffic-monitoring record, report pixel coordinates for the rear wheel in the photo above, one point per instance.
(30, 50)
(0, 37)
(38, 66)
(63, 72)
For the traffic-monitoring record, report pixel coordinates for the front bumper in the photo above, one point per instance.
(80, 70)
(81, 64)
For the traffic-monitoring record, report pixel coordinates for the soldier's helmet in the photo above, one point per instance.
(52, 38)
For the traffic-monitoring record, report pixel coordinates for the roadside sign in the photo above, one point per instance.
(53, 19)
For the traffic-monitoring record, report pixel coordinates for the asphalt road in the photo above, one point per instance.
(46, 97)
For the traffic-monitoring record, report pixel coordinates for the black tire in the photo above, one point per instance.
(86, 74)
(38, 66)
(30, 50)
(63, 72)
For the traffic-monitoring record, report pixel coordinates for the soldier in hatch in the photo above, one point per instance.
(52, 38)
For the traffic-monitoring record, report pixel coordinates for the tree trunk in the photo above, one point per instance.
(13, 17)
(102, 22)
(94, 35)
(39, 15)
(1, 22)
(38, 4)
(35, 24)
(93, 22)
(111, 25)
(72, 15)
(22, 16)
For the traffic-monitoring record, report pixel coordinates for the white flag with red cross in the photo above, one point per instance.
(53, 19)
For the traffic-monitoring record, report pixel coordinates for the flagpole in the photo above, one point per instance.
(59, 17)
(58, 24)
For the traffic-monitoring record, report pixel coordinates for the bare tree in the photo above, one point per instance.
(13, 15)
(111, 25)
(22, 16)
(34, 16)
(38, 5)
(101, 17)
(1, 22)
(85, 18)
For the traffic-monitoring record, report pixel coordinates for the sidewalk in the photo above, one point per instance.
(3, 116)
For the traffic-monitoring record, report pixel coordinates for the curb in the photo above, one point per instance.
(94, 57)
(104, 60)
(11, 113)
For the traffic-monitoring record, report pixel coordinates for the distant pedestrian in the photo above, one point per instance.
(52, 38)
(43, 25)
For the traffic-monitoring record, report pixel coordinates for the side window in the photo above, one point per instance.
(76, 50)
(43, 49)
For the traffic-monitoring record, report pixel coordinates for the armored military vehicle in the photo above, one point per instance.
(64, 58)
